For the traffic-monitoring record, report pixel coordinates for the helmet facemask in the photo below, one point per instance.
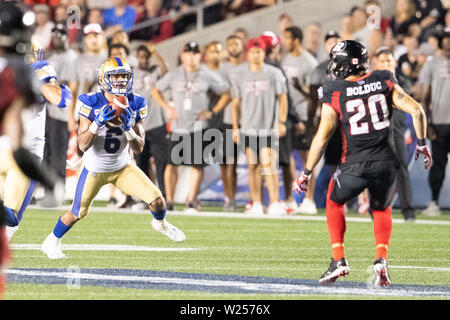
(118, 87)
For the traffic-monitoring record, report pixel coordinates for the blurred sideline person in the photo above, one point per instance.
(189, 86)
(298, 64)
(235, 50)
(273, 57)
(18, 188)
(84, 71)
(333, 151)
(368, 160)
(56, 128)
(217, 107)
(435, 79)
(260, 107)
(384, 60)
(106, 154)
(145, 77)
(18, 94)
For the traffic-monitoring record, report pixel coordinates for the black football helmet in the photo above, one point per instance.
(347, 58)
(16, 21)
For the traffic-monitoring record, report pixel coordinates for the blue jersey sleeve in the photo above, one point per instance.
(87, 108)
(140, 106)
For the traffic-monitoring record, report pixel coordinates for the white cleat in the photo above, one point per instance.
(52, 247)
(432, 210)
(277, 209)
(10, 232)
(169, 230)
(381, 273)
(307, 207)
(256, 209)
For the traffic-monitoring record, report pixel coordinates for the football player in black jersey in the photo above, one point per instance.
(359, 103)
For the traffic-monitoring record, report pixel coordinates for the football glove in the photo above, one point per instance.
(44, 71)
(426, 153)
(104, 116)
(126, 119)
(301, 184)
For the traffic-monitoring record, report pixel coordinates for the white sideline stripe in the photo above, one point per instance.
(99, 247)
(236, 215)
(425, 268)
(263, 287)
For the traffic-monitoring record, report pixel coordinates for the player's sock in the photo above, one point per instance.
(10, 217)
(382, 228)
(60, 229)
(336, 224)
(159, 215)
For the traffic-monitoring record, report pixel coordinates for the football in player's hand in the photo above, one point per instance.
(119, 104)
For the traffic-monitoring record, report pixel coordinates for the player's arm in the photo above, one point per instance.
(220, 105)
(136, 140)
(85, 136)
(328, 124)
(57, 94)
(282, 114)
(71, 122)
(404, 102)
(236, 117)
(159, 98)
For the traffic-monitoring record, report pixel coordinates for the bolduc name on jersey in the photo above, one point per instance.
(365, 89)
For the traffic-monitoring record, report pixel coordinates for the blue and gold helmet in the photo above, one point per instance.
(116, 66)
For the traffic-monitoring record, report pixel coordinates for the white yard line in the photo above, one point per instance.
(99, 247)
(242, 286)
(424, 268)
(239, 215)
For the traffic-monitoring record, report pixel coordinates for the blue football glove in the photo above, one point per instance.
(126, 119)
(104, 116)
(44, 70)
(66, 96)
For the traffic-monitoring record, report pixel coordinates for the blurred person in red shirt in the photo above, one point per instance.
(157, 32)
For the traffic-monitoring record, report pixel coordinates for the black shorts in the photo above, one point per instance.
(377, 176)
(188, 149)
(285, 149)
(230, 148)
(300, 142)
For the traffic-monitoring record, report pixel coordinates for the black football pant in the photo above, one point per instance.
(440, 147)
(56, 143)
(377, 176)
(156, 145)
(403, 182)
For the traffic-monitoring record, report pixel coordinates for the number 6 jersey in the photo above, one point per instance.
(364, 106)
(110, 149)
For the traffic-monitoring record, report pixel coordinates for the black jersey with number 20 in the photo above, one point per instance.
(364, 106)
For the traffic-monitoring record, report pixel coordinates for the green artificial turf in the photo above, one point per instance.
(278, 248)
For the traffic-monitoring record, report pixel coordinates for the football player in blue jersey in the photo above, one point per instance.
(106, 156)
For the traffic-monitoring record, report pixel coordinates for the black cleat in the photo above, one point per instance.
(381, 273)
(338, 268)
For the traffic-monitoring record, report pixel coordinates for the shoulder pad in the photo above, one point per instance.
(88, 99)
(138, 100)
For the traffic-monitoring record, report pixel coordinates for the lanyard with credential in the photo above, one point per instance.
(188, 85)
